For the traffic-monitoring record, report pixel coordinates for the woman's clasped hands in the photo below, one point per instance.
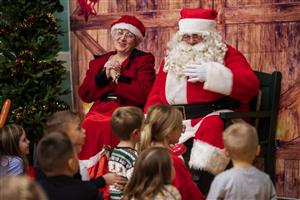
(113, 70)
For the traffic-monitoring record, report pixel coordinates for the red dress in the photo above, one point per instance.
(132, 89)
(183, 180)
(234, 79)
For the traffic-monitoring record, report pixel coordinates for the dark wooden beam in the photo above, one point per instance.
(92, 45)
(162, 18)
(266, 13)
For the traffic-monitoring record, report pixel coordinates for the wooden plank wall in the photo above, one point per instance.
(267, 32)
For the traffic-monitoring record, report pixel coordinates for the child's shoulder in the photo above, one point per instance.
(124, 152)
(169, 192)
(10, 160)
(241, 172)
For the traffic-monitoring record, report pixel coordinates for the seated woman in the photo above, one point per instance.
(123, 77)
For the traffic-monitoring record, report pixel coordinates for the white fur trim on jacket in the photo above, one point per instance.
(190, 25)
(129, 27)
(191, 130)
(207, 157)
(219, 78)
(175, 89)
(84, 165)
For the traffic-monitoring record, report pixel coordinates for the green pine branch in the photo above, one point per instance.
(30, 75)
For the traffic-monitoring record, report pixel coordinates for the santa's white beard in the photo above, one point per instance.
(181, 53)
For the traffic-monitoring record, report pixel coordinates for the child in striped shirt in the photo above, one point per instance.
(126, 123)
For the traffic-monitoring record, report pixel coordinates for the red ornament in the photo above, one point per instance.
(87, 8)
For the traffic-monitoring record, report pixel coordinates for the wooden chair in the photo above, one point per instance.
(263, 115)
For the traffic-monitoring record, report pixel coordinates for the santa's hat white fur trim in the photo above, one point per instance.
(129, 27)
(207, 157)
(190, 25)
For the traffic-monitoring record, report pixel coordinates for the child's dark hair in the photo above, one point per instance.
(153, 170)
(125, 120)
(10, 136)
(57, 121)
(53, 152)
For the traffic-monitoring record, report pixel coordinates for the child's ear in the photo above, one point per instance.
(226, 152)
(73, 165)
(136, 133)
(257, 150)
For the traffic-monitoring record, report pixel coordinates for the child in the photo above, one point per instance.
(163, 127)
(70, 123)
(58, 160)
(243, 181)
(14, 146)
(152, 176)
(126, 123)
(20, 188)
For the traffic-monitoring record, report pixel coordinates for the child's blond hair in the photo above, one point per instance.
(241, 141)
(20, 188)
(125, 120)
(161, 120)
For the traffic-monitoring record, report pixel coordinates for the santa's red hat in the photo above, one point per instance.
(131, 23)
(195, 20)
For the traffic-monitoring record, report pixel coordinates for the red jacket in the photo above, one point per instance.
(133, 87)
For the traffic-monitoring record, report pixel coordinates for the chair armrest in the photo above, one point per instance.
(251, 114)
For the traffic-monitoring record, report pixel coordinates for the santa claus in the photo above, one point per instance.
(202, 75)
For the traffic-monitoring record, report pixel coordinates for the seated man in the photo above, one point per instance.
(202, 76)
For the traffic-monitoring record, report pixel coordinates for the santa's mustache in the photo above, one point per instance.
(185, 47)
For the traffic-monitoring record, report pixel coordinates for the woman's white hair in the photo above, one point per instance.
(137, 39)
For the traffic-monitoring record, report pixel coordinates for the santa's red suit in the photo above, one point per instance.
(234, 79)
(227, 75)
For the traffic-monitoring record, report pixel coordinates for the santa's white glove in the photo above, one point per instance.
(195, 72)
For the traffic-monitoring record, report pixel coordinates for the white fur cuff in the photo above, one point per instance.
(207, 157)
(219, 79)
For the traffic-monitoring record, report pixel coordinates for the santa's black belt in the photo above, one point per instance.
(193, 111)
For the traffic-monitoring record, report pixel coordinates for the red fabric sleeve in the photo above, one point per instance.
(183, 181)
(245, 82)
(137, 91)
(88, 90)
(155, 97)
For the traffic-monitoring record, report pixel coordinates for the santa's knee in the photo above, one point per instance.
(211, 130)
(207, 151)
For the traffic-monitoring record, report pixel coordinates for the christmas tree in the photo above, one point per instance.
(30, 74)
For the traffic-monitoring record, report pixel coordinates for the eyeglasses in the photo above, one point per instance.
(127, 34)
(193, 36)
